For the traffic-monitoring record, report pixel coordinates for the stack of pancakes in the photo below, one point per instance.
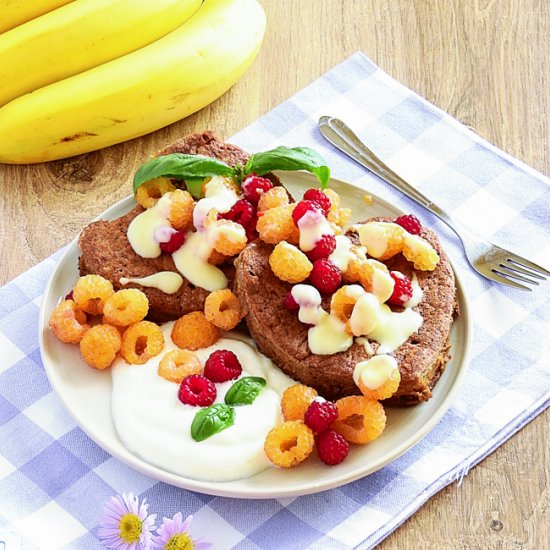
(277, 332)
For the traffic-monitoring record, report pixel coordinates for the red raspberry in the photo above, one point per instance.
(325, 276)
(222, 365)
(198, 391)
(302, 207)
(320, 415)
(253, 186)
(176, 241)
(332, 448)
(402, 290)
(69, 296)
(410, 223)
(324, 247)
(318, 197)
(251, 233)
(290, 302)
(242, 212)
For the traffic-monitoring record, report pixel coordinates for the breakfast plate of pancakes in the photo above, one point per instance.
(86, 392)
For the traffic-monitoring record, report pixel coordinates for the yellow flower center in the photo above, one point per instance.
(181, 541)
(130, 528)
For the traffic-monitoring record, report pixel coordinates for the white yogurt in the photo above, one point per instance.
(153, 424)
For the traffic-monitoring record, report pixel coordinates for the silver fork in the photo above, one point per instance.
(487, 259)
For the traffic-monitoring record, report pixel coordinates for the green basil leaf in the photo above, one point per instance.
(289, 158)
(180, 166)
(245, 390)
(212, 420)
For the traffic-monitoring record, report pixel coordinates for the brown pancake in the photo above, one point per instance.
(283, 338)
(106, 250)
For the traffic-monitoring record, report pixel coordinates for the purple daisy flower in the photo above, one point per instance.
(125, 524)
(172, 535)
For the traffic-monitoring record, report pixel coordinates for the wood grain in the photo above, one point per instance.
(485, 62)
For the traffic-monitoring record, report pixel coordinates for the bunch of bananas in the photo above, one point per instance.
(80, 75)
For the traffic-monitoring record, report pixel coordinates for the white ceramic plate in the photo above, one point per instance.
(86, 393)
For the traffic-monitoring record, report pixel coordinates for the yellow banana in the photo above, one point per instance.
(82, 35)
(140, 92)
(17, 12)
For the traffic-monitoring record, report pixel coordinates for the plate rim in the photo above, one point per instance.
(216, 488)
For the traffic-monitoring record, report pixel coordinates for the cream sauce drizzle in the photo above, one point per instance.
(329, 336)
(143, 228)
(369, 318)
(152, 226)
(312, 226)
(342, 254)
(216, 195)
(167, 281)
(373, 235)
(374, 372)
(192, 262)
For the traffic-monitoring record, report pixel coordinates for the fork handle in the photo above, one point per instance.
(342, 137)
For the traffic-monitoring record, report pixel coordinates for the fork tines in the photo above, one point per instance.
(520, 269)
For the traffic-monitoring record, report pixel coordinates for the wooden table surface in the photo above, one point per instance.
(485, 62)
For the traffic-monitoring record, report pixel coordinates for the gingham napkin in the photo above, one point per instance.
(54, 480)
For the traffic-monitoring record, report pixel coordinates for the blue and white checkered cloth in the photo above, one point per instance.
(54, 480)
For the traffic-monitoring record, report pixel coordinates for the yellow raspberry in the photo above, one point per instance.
(339, 217)
(141, 341)
(193, 331)
(125, 307)
(289, 444)
(382, 239)
(276, 224)
(216, 258)
(336, 229)
(274, 197)
(343, 302)
(344, 215)
(334, 199)
(181, 209)
(360, 420)
(375, 277)
(295, 401)
(148, 193)
(223, 309)
(295, 236)
(178, 364)
(364, 381)
(358, 255)
(420, 252)
(364, 271)
(68, 323)
(90, 293)
(231, 238)
(100, 345)
(290, 263)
